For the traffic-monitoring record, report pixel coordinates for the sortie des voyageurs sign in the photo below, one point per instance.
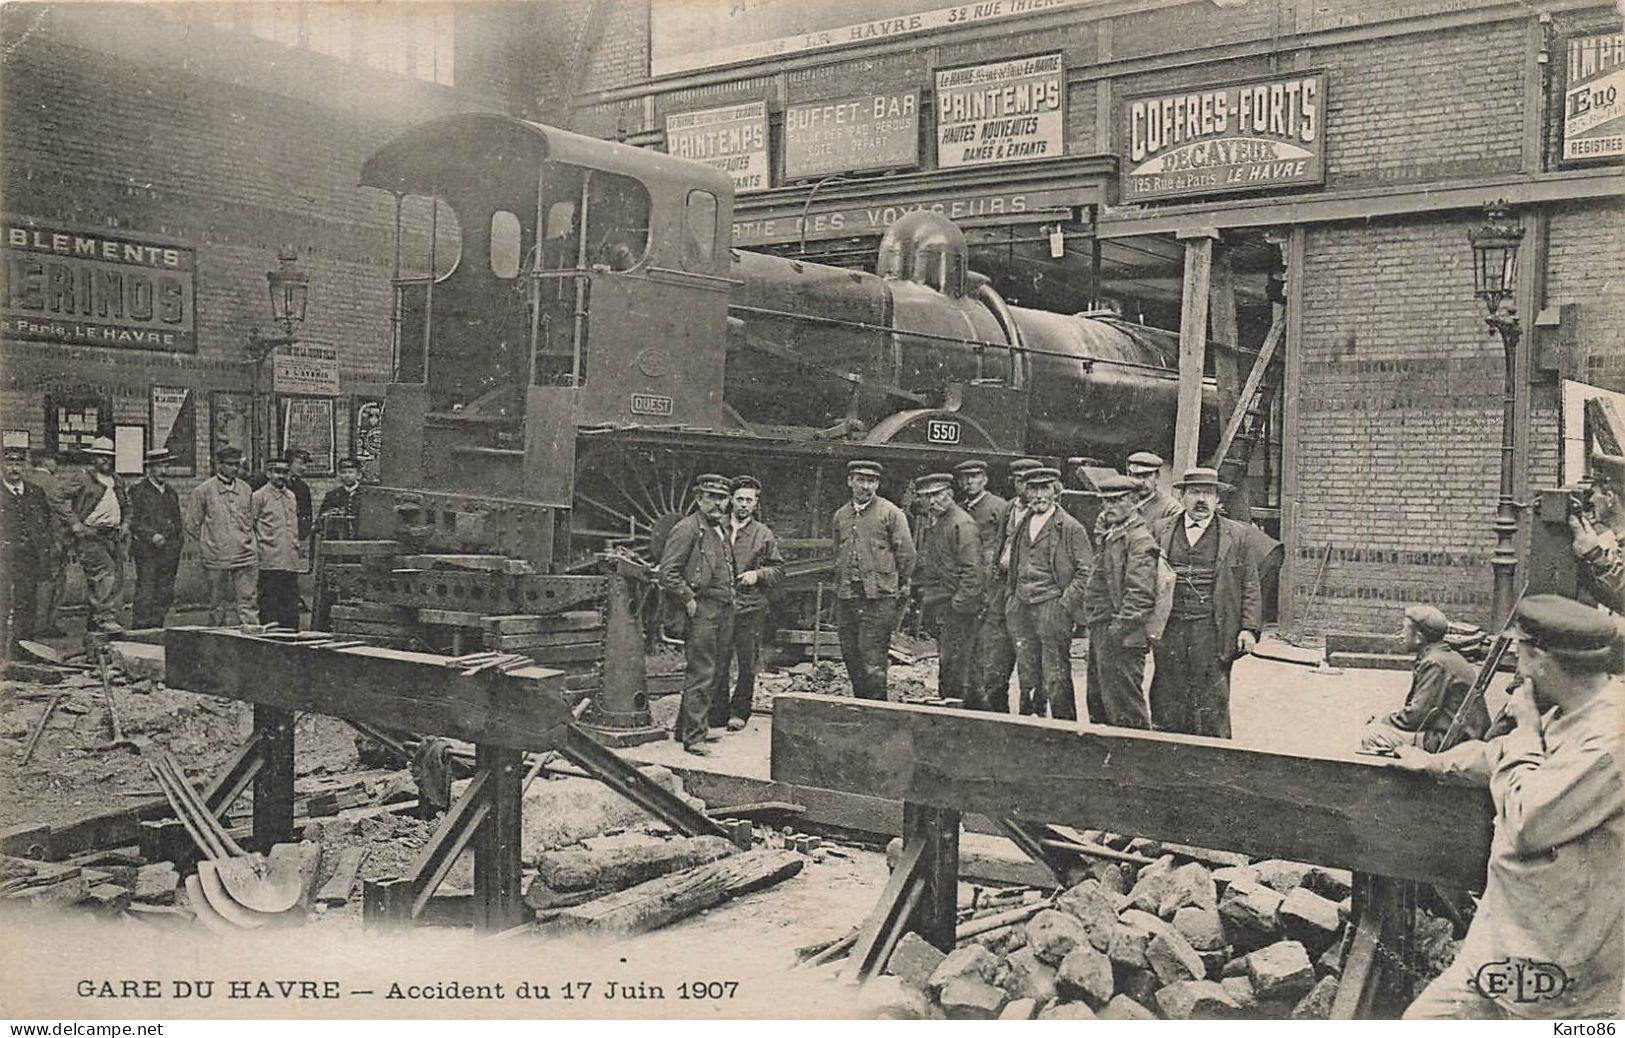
(1006, 112)
(875, 131)
(1594, 98)
(1267, 133)
(86, 289)
(732, 140)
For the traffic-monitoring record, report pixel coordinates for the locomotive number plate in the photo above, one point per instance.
(651, 404)
(941, 430)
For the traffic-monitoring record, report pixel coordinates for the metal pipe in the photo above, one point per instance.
(428, 292)
(580, 316)
(395, 283)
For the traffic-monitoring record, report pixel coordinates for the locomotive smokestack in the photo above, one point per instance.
(926, 248)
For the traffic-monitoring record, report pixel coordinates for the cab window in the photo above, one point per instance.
(700, 231)
(505, 244)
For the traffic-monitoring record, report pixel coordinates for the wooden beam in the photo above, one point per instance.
(1192, 348)
(1355, 813)
(1226, 332)
(521, 709)
(937, 830)
(1255, 377)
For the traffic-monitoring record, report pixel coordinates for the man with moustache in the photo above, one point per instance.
(1552, 895)
(948, 579)
(100, 522)
(1153, 503)
(1050, 559)
(760, 565)
(276, 542)
(697, 567)
(1117, 602)
(874, 563)
(155, 541)
(25, 539)
(1216, 611)
(996, 648)
(220, 517)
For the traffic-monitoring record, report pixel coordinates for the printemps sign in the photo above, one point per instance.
(1236, 137)
(1007, 112)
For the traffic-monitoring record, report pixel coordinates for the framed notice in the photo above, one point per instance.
(1594, 98)
(872, 132)
(307, 421)
(231, 417)
(1011, 111)
(367, 435)
(731, 139)
(172, 417)
(74, 419)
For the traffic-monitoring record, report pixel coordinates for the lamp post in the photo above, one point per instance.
(290, 291)
(1495, 261)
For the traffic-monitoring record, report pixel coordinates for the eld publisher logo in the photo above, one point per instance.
(1521, 980)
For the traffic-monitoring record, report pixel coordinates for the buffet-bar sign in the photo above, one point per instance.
(1249, 136)
(875, 131)
(1011, 111)
(731, 139)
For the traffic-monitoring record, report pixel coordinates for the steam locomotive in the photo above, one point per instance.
(588, 340)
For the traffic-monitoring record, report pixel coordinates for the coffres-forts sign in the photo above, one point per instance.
(1244, 136)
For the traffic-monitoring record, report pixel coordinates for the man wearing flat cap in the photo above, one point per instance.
(1552, 896)
(874, 564)
(155, 541)
(1050, 559)
(101, 525)
(25, 545)
(760, 566)
(1118, 602)
(1216, 611)
(995, 659)
(276, 544)
(220, 517)
(1154, 504)
(340, 507)
(1598, 532)
(949, 578)
(1440, 681)
(697, 569)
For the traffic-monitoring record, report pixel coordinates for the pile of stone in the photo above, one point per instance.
(1174, 939)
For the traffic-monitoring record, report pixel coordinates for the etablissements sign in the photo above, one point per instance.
(694, 34)
(97, 290)
(1267, 133)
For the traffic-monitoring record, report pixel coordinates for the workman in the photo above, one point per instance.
(1215, 615)
(697, 569)
(989, 511)
(1118, 602)
(1553, 901)
(340, 509)
(25, 539)
(155, 540)
(1597, 532)
(1440, 681)
(1050, 560)
(52, 570)
(298, 460)
(995, 649)
(1154, 503)
(874, 564)
(949, 582)
(220, 517)
(760, 566)
(276, 543)
(101, 525)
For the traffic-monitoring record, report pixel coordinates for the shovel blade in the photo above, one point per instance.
(214, 891)
(261, 886)
(201, 908)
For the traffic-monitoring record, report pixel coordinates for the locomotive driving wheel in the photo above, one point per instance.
(629, 497)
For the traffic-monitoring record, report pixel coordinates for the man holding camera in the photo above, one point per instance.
(1598, 531)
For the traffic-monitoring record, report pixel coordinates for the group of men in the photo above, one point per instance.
(1004, 584)
(248, 536)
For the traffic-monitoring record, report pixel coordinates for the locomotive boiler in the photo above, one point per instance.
(588, 340)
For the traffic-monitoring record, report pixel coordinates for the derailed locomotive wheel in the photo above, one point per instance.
(629, 497)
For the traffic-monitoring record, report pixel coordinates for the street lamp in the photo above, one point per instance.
(1495, 262)
(290, 291)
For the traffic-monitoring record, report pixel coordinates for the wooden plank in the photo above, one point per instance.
(336, 891)
(451, 618)
(574, 653)
(1255, 377)
(358, 549)
(1192, 349)
(937, 830)
(372, 612)
(521, 709)
(520, 623)
(1355, 813)
(539, 639)
(658, 902)
(481, 563)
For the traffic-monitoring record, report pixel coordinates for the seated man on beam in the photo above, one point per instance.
(1440, 681)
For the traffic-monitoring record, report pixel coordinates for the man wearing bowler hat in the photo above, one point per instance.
(874, 563)
(220, 517)
(101, 523)
(697, 568)
(1117, 603)
(949, 579)
(995, 658)
(25, 545)
(155, 541)
(1153, 502)
(1548, 939)
(1216, 611)
(1050, 559)
(759, 565)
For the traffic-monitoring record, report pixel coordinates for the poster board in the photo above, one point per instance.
(129, 449)
(307, 422)
(172, 417)
(230, 421)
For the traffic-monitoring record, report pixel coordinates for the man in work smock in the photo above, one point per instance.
(1117, 603)
(760, 565)
(1050, 559)
(100, 522)
(220, 517)
(948, 580)
(1548, 939)
(697, 568)
(874, 564)
(276, 545)
(1440, 680)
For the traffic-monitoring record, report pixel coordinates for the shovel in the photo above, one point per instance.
(248, 881)
(119, 741)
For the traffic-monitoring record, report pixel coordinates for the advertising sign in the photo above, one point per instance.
(303, 368)
(852, 219)
(1008, 112)
(875, 131)
(1236, 137)
(308, 422)
(97, 290)
(1594, 98)
(731, 139)
(685, 35)
(173, 418)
